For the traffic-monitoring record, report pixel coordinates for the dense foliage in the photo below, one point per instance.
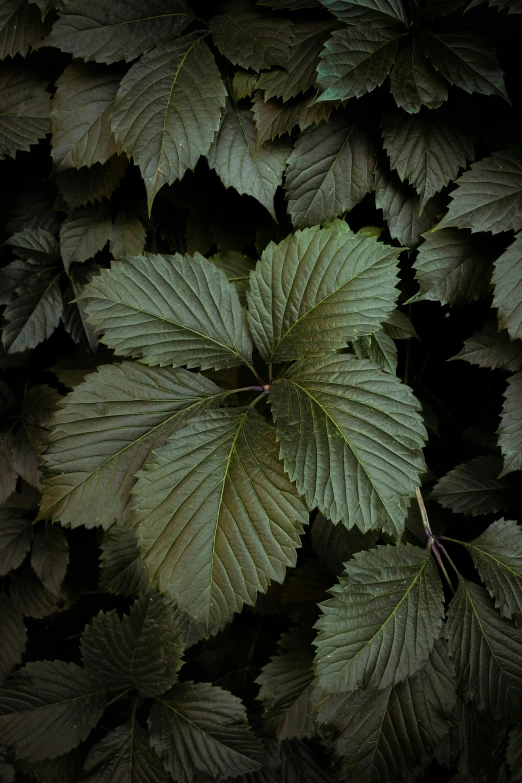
(261, 391)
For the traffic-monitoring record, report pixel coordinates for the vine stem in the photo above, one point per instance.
(432, 544)
(435, 550)
(450, 561)
(119, 696)
(261, 381)
(424, 514)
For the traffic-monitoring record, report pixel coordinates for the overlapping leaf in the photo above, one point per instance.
(85, 186)
(367, 12)
(492, 348)
(21, 28)
(414, 83)
(33, 313)
(121, 568)
(507, 279)
(335, 545)
(473, 488)
(16, 533)
(24, 110)
(274, 118)
(510, 430)
(13, 637)
(379, 348)
(84, 234)
(128, 236)
(50, 557)
(124, 754)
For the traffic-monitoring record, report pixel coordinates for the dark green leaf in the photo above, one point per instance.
(514, 753)
(379, 348)
(124, 755)
(510, 430)
(473, 488)
(79, 188)
(62, 769)
(121, 568)
(128, 236)
(24, 110)
(383, 619)
(306, 586)
(243, 85)
(21, 28)
(300, 763)
(16, 534)
(367, 12)
(33, 312)
(399, 326)
(274, 118)
(335, 545)
(414, 82)
(74, 317)
(492, 348)
(237, 268)
(85, 233)
(35, 245)
(50, 557)
(507, 279)
(30, 597)
(291, 5)
(13, 638)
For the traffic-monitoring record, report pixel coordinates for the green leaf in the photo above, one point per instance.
(33, 312)
(414, 83)
(243, 85)
(274, 118)
(124, 754)
(198, 320)
(489, 196)
(426, 150)
(80, 110)
(30, 597)
(48, 708)
(473, 488)
(366, 430)
(74, 317)
(217, 517)
(132, 409)
(486, 651)
(514, 753)
(383, 735)
(334, 544)
(291, 5)
(466, 60)
(286, 687)
(35, 244)
(399, 327)
(85, 186)
(128, 236)
(13, 638)
(329, 171)
(50, 557)
(200, 731)
(16, 534)
(492, 348)
(121, 568)
(168, 109)
(24, 110)
(109, 31)
(250, 37)
(383, 619)
(237, 268)
(510, 430)
(331, 287)
(367, 12)
(507, 279)
(356, 60)
(21, 28)
(142, 650)
(85, 233)
(379, 348)
(453, 267)
(241, 164)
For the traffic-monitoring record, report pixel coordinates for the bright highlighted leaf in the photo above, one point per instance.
(510, 430)
(24, 110)
(367, 429)
(507, 279)
(473, 488)
(132, 409)
(124, 754)
(414, 83)
(383, 620)
(330, 287)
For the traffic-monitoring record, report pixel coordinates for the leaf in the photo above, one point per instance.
(356, 60)
(109, 31)
(121, 569)
(514, 753)
(16, 534)
(237, 268)
(414, 83)
(13, 637)
(201, 323)
(74, 316)
(507, 279)
(334, 544)
(24, 110)
(452, 267)
(85, 233)
(331, 287)
(291, 5)
(35, 245)
(382, 621)
(399, 327)
(306, 586)
(489, 196)
(217, 517)
(142, 650)
(287, 689)
(50, 557)
(492, 348)
(250, 37)
(80, 109)
(298, 73)
(466, 60)
(21, 28)
(510, 430)
(62, 769)
(30, 597)
(8, 474)
(48, 708)
(168, 109)
(124, 754)
(300, 763)
(486, 651)
(34, 209)
(85, 186)
(426, 150)
(379, 348)
(384, 735)
(497, 555)
(240, 164)
(243, 85)
(274, 118)
(367, 12)
(473, 488)
(329, 171)
(33, 313)
(128, 236)
(200, 730)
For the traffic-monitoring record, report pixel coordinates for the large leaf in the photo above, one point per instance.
(168, 109)
(197, 320)
(383, 619)
(510, 430)
(367, 12)
(251, 37)
(48, 708)
(124, 754)
(21, 28)
(13, 637)
(486, 651)
(351, 437)
(80, 112)
(16, 533)
(108, 31)
(473, 488)
(356, 60)
(384, 735)
(33, 313)
(85, 233)
(50, 557)
(507, 279)
(241, 164)
(142, 650)
(200, 731)
(492, 348)
(329, 171)
(24, 110)
(489, 196)
(414, 82)
(453, 267)
(105, 431)
(121, 568)
(426, 150)
(317, 289)
(497, 554)
(217, 517)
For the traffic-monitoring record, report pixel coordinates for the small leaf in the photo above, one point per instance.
(33, 312)
(21, 28)
(13, 638)
(50, 557)
(121, 568)
(379, 348)
(30, 597)
(383, 619)
(473, 488)
(128, 236)
(510, 430)
(335, 545)
(84, 234)
(24, 110)
(367, 12)
(399, 326)
(237, 268)
(274, 118)
(507, 279)
(16, 534)
(243, 85)
(414, 83)
(35, 244)
(85, 186)
(48, 708)
(492, 348)
(124, 754)
(74, 317)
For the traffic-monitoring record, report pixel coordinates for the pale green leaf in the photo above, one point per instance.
(510, 430)
(121, 568)
(492, 348)
(128, 236)
(217, 517)
(50, 557)
(16, 533)
(379, 348)
(473, 488)
(351, 437)
(507, 279)
(383, 620)
(414, 83)
(367, 12)
(13, 637)
(124, 755)
(21, 28)
(24, 110)
(85, 186)
(85, 233)
(317, 289)
(33, 312)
